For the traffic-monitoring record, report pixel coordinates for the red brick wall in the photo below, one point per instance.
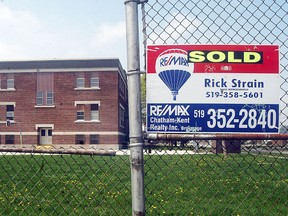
(63, 115)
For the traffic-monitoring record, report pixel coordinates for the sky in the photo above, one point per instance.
(62, 29)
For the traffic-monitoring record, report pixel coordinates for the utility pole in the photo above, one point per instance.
(134, 98)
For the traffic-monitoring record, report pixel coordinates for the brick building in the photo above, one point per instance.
(63, 103)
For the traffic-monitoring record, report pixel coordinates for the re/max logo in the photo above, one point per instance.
(175, 110)
(173, 60)
(246, 57)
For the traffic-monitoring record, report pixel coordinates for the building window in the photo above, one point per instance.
(122, 89)
(80, 83)
(10, 83)
(39, 99)
(87, 111)
(94, 139)
(80, 115)
(9, 139)
(94, 82)
(121, 116)
(49, 132)
(45, 86)
(43, 133)
(10, 112)
(80, 139)
(94, 112)
(49, 98)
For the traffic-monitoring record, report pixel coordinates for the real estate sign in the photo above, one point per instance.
(213, 88)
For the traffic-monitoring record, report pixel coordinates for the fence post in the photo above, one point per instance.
(134, 98)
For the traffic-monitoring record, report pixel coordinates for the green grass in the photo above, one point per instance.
(64, 185)
(174, 185)
(217, 185)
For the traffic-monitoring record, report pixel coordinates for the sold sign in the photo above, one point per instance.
(213, 88)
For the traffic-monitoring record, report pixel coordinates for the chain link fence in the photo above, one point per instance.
(201, 176)
(64, 182)
(182, 176)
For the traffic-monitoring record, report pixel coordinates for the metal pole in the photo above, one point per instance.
(21, 139)
(134, 97)
(187, 137)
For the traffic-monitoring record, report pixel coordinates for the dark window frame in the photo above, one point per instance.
(10, 83)
(10, 139)
(94, 82)
(49, 97)
(40, 98)
(80, 82)
(95, 114)
(94, 139)
(10, 112)
(80, 115)
(79, 139)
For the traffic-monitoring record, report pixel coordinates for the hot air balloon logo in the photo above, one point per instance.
(173, 69)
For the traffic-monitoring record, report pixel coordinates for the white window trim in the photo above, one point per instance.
(4, 122)
(6, 90)
(44, 126)
(86, 102)
(85, 89)
(87, 121)
(44, 106)
(8, 103)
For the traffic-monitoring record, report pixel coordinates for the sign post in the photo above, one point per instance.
(213, 89)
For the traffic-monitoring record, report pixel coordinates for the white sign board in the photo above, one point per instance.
(213, 88)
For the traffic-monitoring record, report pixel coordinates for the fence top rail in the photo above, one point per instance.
(60, 151)
(175, 136)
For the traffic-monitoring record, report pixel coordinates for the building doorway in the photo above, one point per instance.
(45, 136)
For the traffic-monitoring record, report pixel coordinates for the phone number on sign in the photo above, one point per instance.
(242, 119)
(234, 94)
